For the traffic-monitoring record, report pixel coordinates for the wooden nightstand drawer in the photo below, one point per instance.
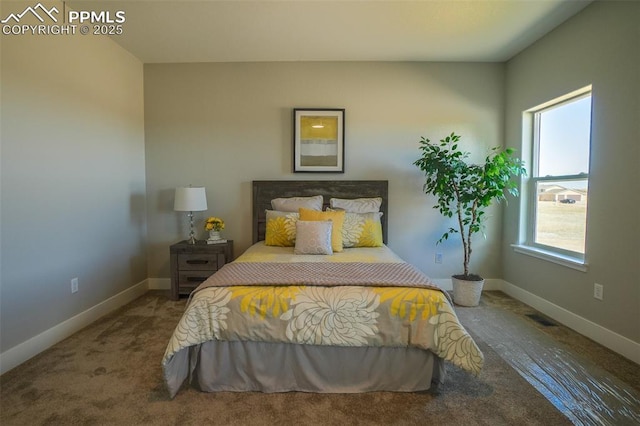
(188, 281)
(191, 264)
(200, 261)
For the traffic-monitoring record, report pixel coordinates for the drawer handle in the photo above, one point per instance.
(197, 262)
(196, 279)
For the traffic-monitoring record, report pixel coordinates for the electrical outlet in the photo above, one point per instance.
(438, 258)
(74, 285)
(598, 291)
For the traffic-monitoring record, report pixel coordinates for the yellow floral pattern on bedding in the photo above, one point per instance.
(407, 303)
(261, 301)
(341, 316)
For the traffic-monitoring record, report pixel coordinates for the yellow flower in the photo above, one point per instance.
(214, 224)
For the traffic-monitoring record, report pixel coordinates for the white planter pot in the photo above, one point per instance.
(466, 293)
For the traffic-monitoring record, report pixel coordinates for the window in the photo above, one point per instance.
(558, 186)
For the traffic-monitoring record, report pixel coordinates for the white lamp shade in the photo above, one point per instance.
(191, 199)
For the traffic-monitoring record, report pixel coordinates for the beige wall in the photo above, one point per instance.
(599, 46)
(72, 176)
(224, 125)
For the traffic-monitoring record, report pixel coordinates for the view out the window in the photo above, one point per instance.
(560, 176)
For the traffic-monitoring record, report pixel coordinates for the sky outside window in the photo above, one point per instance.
(564, 139)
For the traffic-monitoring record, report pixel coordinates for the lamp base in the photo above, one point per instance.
(192, 234)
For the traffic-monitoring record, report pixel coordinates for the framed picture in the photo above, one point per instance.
(318, 140)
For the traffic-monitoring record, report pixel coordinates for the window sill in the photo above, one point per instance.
(568, 261)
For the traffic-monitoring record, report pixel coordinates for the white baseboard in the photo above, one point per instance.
(15, 356)
(159, 283)
(612, 340)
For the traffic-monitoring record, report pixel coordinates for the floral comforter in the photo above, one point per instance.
(353, 313)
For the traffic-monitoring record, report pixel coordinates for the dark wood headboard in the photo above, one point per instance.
(266, 190)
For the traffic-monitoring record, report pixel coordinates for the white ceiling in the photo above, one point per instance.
(158, 31)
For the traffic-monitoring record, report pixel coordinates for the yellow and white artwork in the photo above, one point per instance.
(319, 140)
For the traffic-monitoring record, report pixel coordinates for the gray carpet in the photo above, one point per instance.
(110, 374)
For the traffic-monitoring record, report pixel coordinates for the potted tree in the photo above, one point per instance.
(466, 191)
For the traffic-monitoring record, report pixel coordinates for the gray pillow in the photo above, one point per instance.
(313, 237)
(357, 205)
(293, 204)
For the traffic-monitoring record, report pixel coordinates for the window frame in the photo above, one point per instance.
(529, 204)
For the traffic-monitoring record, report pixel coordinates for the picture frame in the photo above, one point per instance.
(318, 140)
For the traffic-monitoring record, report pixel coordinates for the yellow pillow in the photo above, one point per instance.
(281, 228)
(337, 217)
(361, 230)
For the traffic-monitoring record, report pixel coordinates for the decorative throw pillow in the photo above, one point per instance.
(281, 228)
(362, 230)
(293, 204)
(313, 237)
(357, 205)
(337, 217)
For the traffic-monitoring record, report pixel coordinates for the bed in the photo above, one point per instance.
(357, 319)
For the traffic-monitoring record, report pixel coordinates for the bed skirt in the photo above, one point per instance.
(240, 366)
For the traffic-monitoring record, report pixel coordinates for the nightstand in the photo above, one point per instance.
(191, 264)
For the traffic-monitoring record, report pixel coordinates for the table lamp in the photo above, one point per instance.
(190, 199)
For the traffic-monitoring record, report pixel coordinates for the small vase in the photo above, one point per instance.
(214, 235)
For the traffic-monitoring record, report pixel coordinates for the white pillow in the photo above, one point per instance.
(293, 204)
(313, 237)
(357, 205)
